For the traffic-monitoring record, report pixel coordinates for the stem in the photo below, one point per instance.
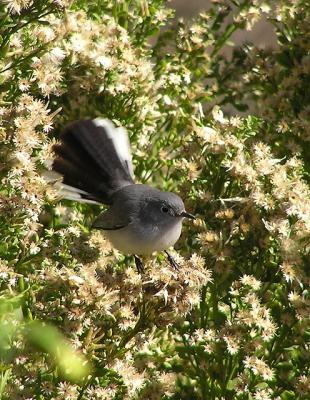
(197, 369)
(21, 59)
(204, 310)
(214, 301)
(17, 27)
(121, 346)
(228, 32)
(230, 29)
(232, 367)
(84, 387)
(131, 333)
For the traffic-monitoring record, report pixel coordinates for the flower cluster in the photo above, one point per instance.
(260, 213)
(275, 78)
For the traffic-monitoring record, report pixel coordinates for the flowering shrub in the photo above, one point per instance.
(76, 319)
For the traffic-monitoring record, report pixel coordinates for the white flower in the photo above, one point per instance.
(79, 43)
(250, 280)
(167, 100)
(218, 115)
(34, 248)
(187, 78)
(259, 367)
(57, 54)
(175, 79)
(74, 279)
(104, 61)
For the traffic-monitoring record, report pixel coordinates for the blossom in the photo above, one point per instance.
(303, 385)
(67, 391)
(232, 343)
(263, 394)
(132, 378)
(289, 272)
(250, 281)
(259, 367)
(16, 6)
(218, 115)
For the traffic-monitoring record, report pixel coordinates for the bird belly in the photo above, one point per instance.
(144, 241)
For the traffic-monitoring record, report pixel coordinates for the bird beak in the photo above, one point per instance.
(187, 215)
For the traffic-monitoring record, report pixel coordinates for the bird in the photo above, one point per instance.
(93, 158)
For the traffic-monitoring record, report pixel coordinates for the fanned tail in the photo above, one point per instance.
(94, 160)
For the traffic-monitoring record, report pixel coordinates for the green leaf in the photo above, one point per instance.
(287, 395)
(72, 364)
(4, 377)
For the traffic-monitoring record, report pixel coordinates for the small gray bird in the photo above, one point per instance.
(95, 162)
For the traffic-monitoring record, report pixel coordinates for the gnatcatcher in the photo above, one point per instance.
(95, 162)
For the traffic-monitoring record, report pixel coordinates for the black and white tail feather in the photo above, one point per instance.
(94, 160)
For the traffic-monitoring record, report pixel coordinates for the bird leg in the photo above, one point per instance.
(172, 262)
(139, 265)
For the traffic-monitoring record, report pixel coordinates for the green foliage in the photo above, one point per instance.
(76, 320)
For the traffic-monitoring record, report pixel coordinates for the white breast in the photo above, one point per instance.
(135, 239)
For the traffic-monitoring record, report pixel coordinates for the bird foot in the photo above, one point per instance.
(172, 262)
(139, 265)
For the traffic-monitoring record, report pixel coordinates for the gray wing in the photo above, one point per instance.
(109, 221)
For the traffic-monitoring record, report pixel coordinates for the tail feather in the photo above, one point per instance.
(78, 157)
(89, 160)
(77, 178)
(120, 141)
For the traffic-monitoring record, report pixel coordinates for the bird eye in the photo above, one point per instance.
(164, 209)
